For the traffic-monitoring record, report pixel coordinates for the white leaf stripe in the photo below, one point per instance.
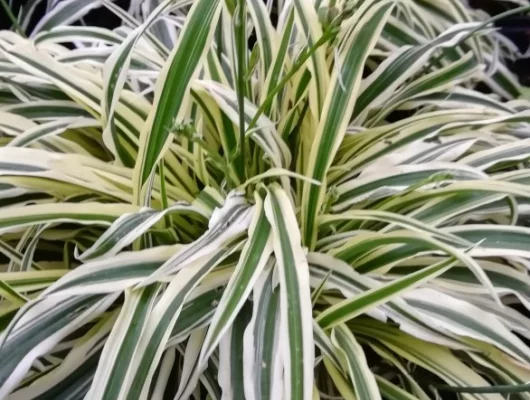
(231, 366)
(265, 32)
(113, 274)
(281, 57)
(131, 21)
(232, 220)
(260, 341)
(434, 128)
(458, 97)
(295, 296)
(432, 84)
(47, 109)
(400, 178)
(360, 374)
(251, 263)
(161, 322)
(339, 104)
(43, 325)
(468, 320)
(82, 90)
(122, 342)
(394, 71)
(129, 227)
(323, 342)
(114, 74)
(78, 213)
(517, 151)
(15, 255)
(434, 358)
(61, 34)
(190, 373)
(350, 308)
(416, 244)
(350, 283)
(307, 20)
(53, 128)
(392, 219)
(65, 12)
(173, 85)
(74, 375)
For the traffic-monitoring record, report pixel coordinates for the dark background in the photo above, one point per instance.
(98, 17)
(516, 28)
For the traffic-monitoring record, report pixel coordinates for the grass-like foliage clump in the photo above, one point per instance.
(248, 199)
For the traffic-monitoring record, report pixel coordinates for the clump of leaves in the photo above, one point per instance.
(262, 200)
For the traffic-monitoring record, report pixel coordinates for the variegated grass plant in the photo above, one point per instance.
(240, 199)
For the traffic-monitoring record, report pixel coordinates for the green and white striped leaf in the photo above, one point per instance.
(306, 19)
(172, 92)
(74, 375)
(113, 274)
(376, 185)
(465, 319)
(395, 70)
(254, 257)
(123, 342)
(350, 308)
(81, 213)
(227, 224)
(391, 391)
(53, 128)
(433, 83)
(62, 34)
(43, 110)
(337, 110)
(510, 241)
(262, 372)
(190, 370)
(352, 284)
(264, 133)
(65, 12)
(295, 296)
(128, 228)
(436, 359)
(354, 361)
(40, 325)
(517, 152)
(114, 75)
(231, 363)
(156, 328)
